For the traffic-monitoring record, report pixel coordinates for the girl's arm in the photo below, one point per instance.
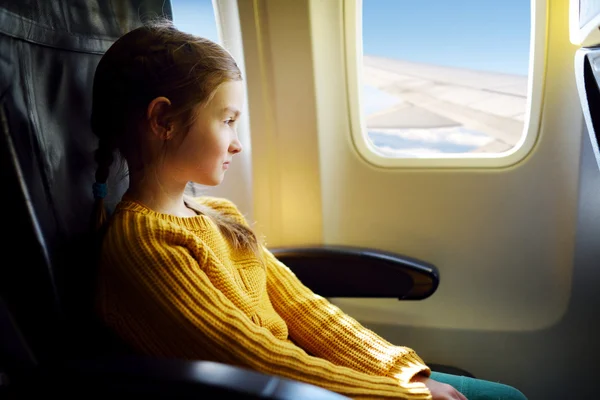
(173, 296)
(325, 331)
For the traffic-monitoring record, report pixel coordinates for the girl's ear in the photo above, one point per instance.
(158, 120)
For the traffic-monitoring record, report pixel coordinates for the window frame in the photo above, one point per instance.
(535, 90)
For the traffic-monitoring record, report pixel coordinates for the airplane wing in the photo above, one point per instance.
(431, 96)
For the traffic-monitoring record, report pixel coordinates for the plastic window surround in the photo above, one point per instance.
(535, 90)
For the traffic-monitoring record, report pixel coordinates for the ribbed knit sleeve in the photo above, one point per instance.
(325, 331)
(168, 286)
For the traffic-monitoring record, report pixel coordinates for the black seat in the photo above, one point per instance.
(587, 73)
(46, 160)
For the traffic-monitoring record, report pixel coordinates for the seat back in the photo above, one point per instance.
(584, 26)
(48, 55)
(587, 65)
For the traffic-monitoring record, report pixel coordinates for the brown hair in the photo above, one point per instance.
(156, 60)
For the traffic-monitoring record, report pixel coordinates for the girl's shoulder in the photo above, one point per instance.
(136, 221)
(219, 204)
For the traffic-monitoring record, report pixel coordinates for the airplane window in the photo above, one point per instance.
(196, 17)
(444, 77)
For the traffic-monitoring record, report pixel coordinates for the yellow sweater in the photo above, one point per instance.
(174, 287)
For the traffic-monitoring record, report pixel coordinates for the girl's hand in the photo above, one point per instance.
(439, 391)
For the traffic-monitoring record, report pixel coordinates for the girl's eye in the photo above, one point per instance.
(229, 121)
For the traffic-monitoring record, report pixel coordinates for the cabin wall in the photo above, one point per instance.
(559, 362)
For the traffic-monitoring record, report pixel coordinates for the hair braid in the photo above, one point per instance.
(104, 157)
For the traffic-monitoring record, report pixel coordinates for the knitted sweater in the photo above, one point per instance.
(175, 287)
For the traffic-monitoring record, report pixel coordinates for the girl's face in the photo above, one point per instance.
(205, 152)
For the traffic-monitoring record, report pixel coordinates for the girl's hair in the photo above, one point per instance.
(151, 61)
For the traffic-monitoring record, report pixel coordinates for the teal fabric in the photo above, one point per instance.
(477, 389)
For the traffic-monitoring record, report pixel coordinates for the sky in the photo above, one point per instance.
(196, 17)
(484, 35)
(476, 34)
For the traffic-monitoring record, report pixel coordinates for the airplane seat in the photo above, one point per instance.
(587, 62)
(585, 32)
(47, 165)
(50, 339)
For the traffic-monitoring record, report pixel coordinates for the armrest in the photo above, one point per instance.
(344, 271)
(161, 379)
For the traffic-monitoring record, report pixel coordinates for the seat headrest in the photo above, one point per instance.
(49, 52)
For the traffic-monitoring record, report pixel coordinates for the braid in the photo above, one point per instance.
(104, 159)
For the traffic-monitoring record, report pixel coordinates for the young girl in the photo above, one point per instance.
(187, 278)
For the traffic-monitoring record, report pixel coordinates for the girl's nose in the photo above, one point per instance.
(235, 146)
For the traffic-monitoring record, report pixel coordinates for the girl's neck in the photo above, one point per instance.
(159, 195)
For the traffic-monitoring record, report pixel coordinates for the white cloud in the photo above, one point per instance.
(454, 135)
(406, 153)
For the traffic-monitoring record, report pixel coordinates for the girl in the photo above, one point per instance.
(187, 278)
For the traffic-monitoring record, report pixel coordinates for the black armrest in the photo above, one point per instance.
(161, 379)
(342, 271)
